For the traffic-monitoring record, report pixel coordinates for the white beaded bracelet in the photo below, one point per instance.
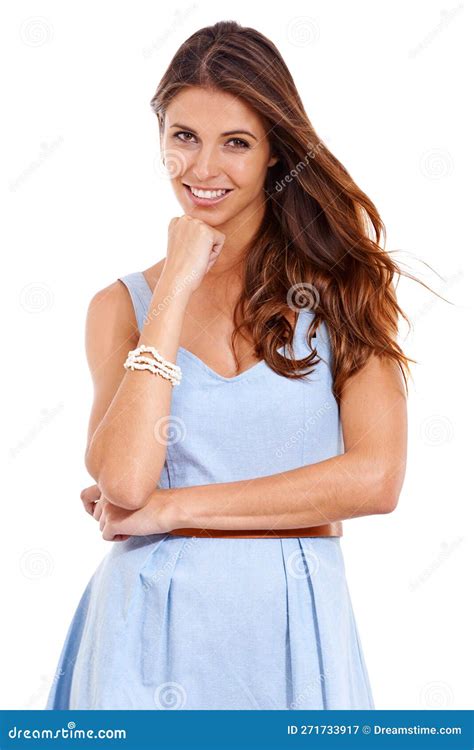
(157, 356)
(150, 364)
(155, 368)
(158, 359)
(158, 366)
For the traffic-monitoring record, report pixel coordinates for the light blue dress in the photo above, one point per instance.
(180, 622)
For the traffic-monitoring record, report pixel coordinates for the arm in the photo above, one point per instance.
(365, 480)
(128, 404)
(125, 454)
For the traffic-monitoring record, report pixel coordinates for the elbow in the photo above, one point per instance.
(116, 486)
(386, 491)
(387, 503)
(91, 464)
(124, 494)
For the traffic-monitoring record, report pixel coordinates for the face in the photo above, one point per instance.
(213, 141)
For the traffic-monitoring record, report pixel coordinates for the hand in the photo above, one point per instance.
(118, 524)
(93, 501)
(89, 496)
(193, 248)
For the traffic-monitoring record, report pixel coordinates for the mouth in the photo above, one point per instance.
(206, 197)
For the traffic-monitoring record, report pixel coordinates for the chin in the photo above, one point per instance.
(211, 217)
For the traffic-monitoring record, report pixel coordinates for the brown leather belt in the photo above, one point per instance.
(327, 529)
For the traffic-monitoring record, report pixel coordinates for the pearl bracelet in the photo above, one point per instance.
(158, 366)
(155, 368)
(144, 363)
(171, 366)
(157, 356)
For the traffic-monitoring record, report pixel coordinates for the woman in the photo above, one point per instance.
(274, 312)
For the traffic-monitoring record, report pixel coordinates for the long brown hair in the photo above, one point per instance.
(319, 246)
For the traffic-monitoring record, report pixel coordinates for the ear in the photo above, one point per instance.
(273, 160)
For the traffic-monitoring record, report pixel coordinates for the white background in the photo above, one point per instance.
(386, 87)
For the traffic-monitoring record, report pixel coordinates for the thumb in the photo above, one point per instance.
(91, 493)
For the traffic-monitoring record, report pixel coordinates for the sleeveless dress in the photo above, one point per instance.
(185, 622)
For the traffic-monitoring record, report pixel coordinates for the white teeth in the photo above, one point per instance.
(208, 193)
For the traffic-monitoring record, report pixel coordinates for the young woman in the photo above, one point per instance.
(271, 408)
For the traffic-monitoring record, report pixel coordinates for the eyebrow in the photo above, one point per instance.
(228, 132)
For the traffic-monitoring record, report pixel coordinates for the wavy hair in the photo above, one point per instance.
(320, 246)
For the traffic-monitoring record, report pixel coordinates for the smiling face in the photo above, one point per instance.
(213, 141)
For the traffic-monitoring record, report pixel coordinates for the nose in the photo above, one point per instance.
(205, 165)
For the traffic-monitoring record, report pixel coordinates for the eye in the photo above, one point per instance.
(183, 132)
(239, 142)
(243, 143)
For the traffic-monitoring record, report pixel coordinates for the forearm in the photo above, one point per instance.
(342, 487)
(128, 449)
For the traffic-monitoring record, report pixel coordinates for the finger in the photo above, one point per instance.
(89, 497)
(97, 511)
(91, 493)
(89, 507)
(107, 533)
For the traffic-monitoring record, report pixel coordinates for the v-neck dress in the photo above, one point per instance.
(185, 622)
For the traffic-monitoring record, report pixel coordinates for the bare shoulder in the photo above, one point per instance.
(111, 312)
(380, 376)
(111, 330)
(111, 308)
(111, 324)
